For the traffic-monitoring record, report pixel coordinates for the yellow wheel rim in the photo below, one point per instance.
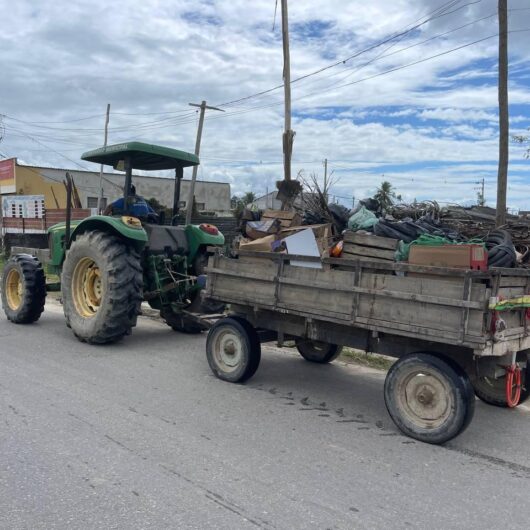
(14, 289)
(87, 287)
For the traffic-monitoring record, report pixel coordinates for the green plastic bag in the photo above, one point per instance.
(362, 219)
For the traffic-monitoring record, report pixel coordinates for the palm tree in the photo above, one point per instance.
(248, 198)
(386, 196)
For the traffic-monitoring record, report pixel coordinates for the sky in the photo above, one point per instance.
(430, 128)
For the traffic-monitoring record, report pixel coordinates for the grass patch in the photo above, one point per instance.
(371, 360)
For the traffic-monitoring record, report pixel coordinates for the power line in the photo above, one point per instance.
(439, 12)
(67, 158)
(186, 115)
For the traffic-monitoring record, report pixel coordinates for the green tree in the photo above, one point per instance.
(248, 198)
(240, 203)
(386, 196)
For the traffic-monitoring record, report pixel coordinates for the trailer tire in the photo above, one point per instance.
(493, 392)
(23, 289)
(233, 350)
(316, 351)
(429, 397)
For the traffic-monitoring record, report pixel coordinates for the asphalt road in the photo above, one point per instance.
(141, 435)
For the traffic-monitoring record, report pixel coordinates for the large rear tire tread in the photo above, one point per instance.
(122, 288)
(461, 397)
(33, 289)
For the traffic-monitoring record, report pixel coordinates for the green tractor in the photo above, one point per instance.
(109, 264)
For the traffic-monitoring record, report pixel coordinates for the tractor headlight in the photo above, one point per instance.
(133, 222)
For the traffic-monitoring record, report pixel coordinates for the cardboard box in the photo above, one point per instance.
(451, 256)
(259, 229)
(285, 218)
(263, 244)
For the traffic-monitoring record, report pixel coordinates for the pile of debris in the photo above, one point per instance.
(420, 233)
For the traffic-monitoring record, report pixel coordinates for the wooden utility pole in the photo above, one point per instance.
(502, 175)
(288, 135)
(189, 205)
(100, 202)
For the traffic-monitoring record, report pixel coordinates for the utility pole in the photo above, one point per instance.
(326, 179)
(100, 202)
(189, 205)
(288, 135)
(502, 175)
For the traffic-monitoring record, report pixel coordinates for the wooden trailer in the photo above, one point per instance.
(452, 330)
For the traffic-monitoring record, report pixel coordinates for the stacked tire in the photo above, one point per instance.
(501, 251)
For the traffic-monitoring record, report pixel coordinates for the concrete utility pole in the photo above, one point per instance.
(502, 175)
(288, 135)
(189, 205)
(100, 202)
(326, 179)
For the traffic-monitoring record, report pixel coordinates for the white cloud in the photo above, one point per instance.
(66, 60)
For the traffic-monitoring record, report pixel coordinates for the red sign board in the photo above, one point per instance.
(7, 176)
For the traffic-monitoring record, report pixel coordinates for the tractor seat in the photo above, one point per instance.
(162, 238)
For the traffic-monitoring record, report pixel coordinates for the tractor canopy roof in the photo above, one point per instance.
(143, 156)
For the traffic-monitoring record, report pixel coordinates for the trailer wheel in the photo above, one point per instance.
(23, 289)
(317, 352)
(493, 391)
(429, 398)
(233, 350)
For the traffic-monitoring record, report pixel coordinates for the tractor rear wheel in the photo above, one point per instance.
(23, 289)
(102, 285)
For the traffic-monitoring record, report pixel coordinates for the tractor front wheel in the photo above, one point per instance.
(102, 287)
(23, 289)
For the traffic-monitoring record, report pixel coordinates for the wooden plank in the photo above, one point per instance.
(468, 283)
(416, 308)
(311, 284)
(441, 336)
(383, 265)
(351, 248)
(511, 281)
(370, 240)
(353, 258)
(316, 291)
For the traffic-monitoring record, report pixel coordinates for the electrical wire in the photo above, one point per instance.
(439, 12)
(188, 116)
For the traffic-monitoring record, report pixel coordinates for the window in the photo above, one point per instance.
(92, 202)
(200, 205)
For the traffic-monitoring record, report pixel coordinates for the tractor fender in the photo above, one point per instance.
(198, 238)
(125, 227)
